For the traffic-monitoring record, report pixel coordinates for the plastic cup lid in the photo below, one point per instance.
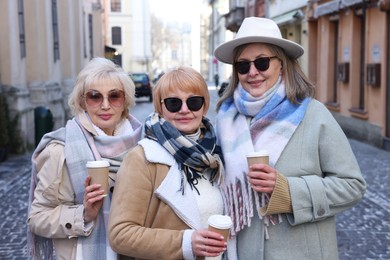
(220, 221)
(258, 153)
(97, 164)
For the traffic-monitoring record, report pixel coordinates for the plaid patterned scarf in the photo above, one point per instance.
(274, 120)
(194, 158)
(81, 146)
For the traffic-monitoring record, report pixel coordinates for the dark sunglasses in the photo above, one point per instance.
(174, 104)
(262, 64)
(94, 98)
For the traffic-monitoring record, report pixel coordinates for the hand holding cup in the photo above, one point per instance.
(261, 176)
(98, 170)
(220, 224)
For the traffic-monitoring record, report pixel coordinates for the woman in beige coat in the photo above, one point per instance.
(168, 185)
(64, 207)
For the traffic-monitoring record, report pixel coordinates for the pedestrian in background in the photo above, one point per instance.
(64, 207)
(216, 80)
(168, 185)
(284, 210)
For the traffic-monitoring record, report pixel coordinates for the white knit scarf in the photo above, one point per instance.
(273, 121)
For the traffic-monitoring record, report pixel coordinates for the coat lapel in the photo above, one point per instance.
(184, 205)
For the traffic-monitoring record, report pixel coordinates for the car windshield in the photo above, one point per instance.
(139, 77)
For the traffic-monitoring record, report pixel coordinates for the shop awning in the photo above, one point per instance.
(334, 6)
(109, 49)
(327, 8)
(289, 17)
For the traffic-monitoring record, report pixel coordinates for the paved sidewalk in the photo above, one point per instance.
(14, 188)
(363, 231)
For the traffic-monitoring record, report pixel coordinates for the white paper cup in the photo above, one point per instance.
(220, 224)
(261, 156)
(98, 170)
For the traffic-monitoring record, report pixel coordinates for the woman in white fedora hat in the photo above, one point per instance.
(285, 209)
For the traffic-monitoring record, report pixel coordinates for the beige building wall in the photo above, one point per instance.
(13, 75)
(38, 78)
(43, 71)
(376, 54)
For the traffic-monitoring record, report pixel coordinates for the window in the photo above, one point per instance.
(362, 22)
(174, 55)
(84, 38)
(115, 5)
(22, 36)
(56, 42)
(116, 33)
(90, 30)
(334, 29)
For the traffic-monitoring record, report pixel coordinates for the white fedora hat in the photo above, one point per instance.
(261, 30)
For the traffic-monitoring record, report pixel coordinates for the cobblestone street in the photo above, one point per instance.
(363, 232)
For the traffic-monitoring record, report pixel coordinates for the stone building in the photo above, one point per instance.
(44, 44)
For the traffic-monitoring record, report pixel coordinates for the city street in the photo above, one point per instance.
(363, 232)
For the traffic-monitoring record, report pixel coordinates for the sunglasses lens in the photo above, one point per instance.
(262, 64)
(93, 98)
(242, 67)
(173, 104)
(195, 103)
(116, 98)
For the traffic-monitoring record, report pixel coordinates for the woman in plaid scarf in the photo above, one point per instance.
(168, 185)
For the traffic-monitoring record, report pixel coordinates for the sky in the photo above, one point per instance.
(175, 10)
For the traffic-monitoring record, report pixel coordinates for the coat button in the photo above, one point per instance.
(320, 212)
(68, 225)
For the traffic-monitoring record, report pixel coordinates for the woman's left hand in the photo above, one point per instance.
(262, 178)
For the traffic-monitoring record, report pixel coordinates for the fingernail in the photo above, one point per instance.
(104, 195)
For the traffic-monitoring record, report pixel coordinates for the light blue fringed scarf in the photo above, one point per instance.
(273, 120)
(81, 146)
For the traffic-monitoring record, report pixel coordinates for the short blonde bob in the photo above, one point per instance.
(101, 71)
(181, 78)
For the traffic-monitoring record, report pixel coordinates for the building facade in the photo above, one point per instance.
(347, 56)
(350, 39)
(44, 44)
(128, 30)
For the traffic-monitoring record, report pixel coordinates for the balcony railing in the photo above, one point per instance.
(234, 18)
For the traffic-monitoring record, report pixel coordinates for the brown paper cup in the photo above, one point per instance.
(258, 157)
(220, 224)
(98, 170)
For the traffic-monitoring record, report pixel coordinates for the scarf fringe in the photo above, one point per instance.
(238, 200)
(43, 247)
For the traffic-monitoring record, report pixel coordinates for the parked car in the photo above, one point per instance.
(143, 85)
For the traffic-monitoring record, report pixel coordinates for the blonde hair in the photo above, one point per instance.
(97, 71)
(182, 78)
